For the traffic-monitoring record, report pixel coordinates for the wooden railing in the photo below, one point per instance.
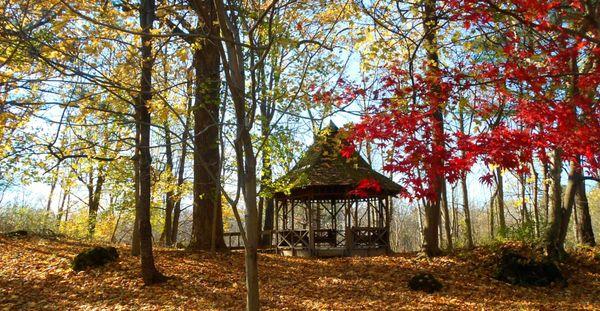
(326, 236)
(234, 240)
(365, 237)
(293, 238)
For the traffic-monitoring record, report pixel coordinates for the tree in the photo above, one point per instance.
(207, 231)
(149, 272)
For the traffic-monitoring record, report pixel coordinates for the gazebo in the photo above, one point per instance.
(318, 211)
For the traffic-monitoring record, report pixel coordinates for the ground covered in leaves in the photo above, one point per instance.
(35, 273)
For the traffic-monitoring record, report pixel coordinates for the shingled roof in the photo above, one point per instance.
(322, 166)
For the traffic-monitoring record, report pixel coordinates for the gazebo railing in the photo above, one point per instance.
(293, 238)
(234, 240)
(326, 236)
(366, 237)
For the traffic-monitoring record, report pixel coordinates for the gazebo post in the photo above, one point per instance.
(277, 211)
(368, 213)
(334, 220)
(386, 204)
(311, 233)
(293, 207)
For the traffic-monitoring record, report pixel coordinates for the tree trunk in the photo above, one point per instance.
(586, 232)
(557, 230)
(52, 187)
(465, 194)
(169, 202)
(500, 197)
(492, 199)
(524, 213)
(61, 207)
(432, 208)
(546, 196)
(455, 234)
(536, 208)
(447, 218)
(150, 274)
(554, 245)
(207, 212)
(94, 201)
(135, 238)
(266, 201)
(114, 233)
(180, 174)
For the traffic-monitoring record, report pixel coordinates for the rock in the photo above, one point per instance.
(516, 269)
(17, 233)
(94, 257)
(180, 245)
(424, 282)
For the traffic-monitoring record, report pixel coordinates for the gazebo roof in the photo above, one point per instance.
(322, 170)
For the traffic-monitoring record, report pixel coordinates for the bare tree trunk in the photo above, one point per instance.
(150, 274)
(586, 232)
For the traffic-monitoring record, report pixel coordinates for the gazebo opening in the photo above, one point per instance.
(318, 211)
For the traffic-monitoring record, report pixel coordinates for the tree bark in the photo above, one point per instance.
(180, 173)
(468, 228)
(447, 218)
(52, 187)
(536, 208)
(432, 208)
(546, 195)
(165, 237)
(500, 197)
(492, 199)
(94, 193)
(207, 212)
(267, 204)
(61, 207)
(554, 245)
(584, 227)
(465, 193)
(135, 236)
(150, 274)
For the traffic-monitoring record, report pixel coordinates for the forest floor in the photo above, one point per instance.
(35, 274)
